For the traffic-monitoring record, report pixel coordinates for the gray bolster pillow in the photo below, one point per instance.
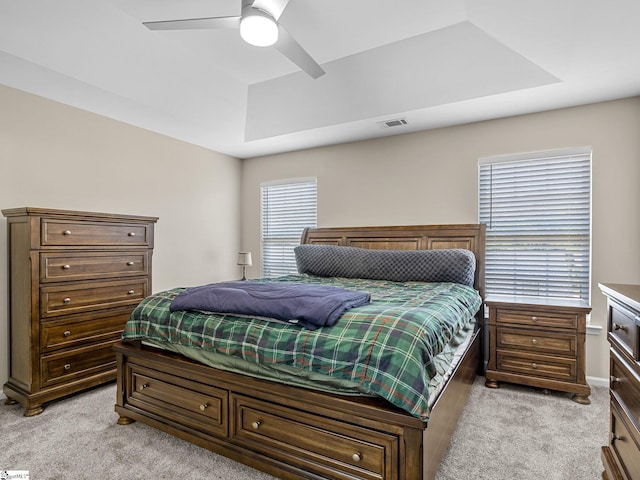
(448, 265)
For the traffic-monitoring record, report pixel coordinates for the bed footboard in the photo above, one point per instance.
(289, 432)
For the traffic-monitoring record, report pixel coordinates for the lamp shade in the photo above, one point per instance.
(258, 28)
(244, 258)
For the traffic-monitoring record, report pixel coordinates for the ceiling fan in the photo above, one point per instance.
(258, 24)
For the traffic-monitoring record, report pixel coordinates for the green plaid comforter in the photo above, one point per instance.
(386, 346)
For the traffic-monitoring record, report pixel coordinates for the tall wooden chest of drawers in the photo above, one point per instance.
(74, 278)
(621, 457)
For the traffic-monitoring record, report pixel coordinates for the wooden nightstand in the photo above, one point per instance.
(538, 342)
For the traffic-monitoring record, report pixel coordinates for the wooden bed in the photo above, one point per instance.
(296, 433)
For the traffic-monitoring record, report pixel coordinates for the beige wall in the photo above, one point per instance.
(431, 177)
(56, 156)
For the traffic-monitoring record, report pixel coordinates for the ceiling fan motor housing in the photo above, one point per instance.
(257, 27)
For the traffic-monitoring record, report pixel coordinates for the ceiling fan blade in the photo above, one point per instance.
(273, 7)
(195, 24)
(291, 49)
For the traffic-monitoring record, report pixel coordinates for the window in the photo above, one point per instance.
(537, 208)
(287, 208)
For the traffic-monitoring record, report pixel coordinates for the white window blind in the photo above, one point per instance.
(287, 208)
(537, 208)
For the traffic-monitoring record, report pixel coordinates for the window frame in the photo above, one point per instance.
(535, 161)
(279, 237)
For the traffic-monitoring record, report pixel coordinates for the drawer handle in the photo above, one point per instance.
(67, 366)
(67, 232)
(130, 263)
(204, 406)
(143, 386)
(132, 234)
(66, 267)
(534, 341)
(67, 333)
(67, 300)
(534, 365)
(617, 326)
(131, 292)
(615, 437)
(534, 319)
(256, 425)
(356, 457)
(614, 379)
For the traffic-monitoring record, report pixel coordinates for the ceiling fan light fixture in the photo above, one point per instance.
(258, 28)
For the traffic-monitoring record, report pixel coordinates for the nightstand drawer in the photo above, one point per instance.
(76, 364)
(557, 368)
(322, 446)
(72, 333)
(537, 342)
(56, 267)
(200, 406)
(86, 297)
(533, 318)
(625, 385)
(83, 233)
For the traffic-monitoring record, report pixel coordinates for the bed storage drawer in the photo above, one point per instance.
(86, 233)
(56, 267)
(197, 405)
(321, 445)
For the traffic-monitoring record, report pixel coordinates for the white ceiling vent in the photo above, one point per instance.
(396, 122)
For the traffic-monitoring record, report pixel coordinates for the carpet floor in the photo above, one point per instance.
(510, 433)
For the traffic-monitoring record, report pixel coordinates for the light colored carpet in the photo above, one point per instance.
(517, 432)
(505, 434)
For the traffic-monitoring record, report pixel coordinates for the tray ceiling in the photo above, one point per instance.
(433, 63)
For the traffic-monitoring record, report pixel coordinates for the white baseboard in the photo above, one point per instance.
(598, 381)
(594, 329)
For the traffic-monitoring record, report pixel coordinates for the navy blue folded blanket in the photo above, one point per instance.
(310, 306)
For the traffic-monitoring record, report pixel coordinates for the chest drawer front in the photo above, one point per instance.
(323, 446)
(69, 299)
(625, 444)
(623, 329)
(86, 233)
(194, 404)
(557, 368)
(70, 334)
(55, 267)
(537, 342)
(536, 319)
(625, 385)
(77, 364)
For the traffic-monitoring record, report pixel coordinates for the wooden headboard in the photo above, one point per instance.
(407, 237)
